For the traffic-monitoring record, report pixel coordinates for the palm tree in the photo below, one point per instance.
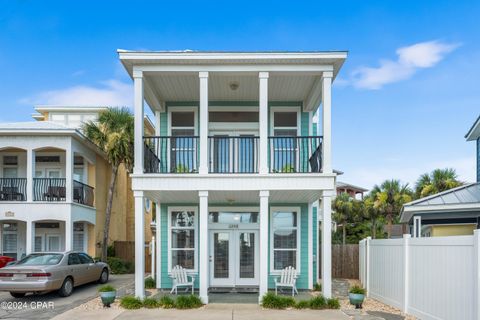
(113, 134)
(371, 213)
(436, 181)
(389, 199)
(343, 207)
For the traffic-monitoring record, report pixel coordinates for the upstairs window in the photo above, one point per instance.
(183, 156)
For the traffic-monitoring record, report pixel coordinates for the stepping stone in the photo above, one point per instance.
(386, 315)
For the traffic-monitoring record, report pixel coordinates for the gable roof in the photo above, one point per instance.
(465, 198)
(474, 132)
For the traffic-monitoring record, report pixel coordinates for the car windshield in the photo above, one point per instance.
(38, 259)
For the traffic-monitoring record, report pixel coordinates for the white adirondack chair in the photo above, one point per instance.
(287, 279)
(180, 279)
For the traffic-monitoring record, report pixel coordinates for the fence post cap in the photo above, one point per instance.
(407, 235)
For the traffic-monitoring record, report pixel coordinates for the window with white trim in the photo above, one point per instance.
(285, 239)
(182, 239)
(78, 236)
(285, 144)
(183, 156)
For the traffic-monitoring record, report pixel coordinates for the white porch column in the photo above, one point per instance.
(203, 245)
(263, 122)
(29, 237)
(30, 173)
(203, 165)
(69, 164)
(158, 238)
(417, 227)
(157, 123)
(264, 219)
(68, 234)
(327, 122)
(326, 205)
(311, 225)
(138, 113)
(139, 245)
(153, 250)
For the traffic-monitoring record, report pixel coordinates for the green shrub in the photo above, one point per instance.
(357, 290)
(317, 287)
(303, 304)
(318, 303)
(151, 303)
(166, 302)
(118, 266)
(106, 288)
(110, 251)
(131, 302)
(150, 283)
(188, 302)
(272, 301)
(333, 303)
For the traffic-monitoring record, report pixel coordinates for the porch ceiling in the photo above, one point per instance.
(233, 197)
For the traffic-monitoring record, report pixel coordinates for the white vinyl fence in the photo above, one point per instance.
(430, 278)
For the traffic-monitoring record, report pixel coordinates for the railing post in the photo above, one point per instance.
(263, 122)
(30, 173)
(406, 276)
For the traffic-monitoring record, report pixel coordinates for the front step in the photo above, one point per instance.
(238, 289)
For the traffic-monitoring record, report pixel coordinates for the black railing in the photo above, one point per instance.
(233, 154)
(83, 193)
(49, 189)
(171, 154)
(13, 189)
(295, 154)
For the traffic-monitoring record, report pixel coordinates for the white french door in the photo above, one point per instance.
(234, 258)
(52, 243)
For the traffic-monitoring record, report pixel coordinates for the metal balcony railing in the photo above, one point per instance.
(229, 154)
(49, 189)
(83, 193)
(13, 189)
(301, 154)
(171, 154)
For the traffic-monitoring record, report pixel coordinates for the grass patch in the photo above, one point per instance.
(106, 288)
(188, 302)
(131, 303)
(317, 287)
(272, 301)
(166, 302)
(151, 303)
(318, 303)
(150, 283)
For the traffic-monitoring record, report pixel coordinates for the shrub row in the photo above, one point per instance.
(166, 302)
(272, 301)
(119, 266)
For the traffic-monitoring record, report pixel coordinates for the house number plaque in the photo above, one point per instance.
(9, 214)
(233, 226)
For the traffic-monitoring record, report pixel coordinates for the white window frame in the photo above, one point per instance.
(298, 228)
(273, 110)
(182, 109)
(195, 236)
(84, 233)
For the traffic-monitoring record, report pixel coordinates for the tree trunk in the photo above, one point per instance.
(389, 226)
(344, 233)
(374, 229)
(108, 212)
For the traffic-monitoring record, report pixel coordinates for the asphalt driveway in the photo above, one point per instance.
(47, 306)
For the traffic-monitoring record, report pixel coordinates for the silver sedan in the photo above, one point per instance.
(48, 271)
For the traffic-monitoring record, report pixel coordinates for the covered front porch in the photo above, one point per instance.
(236, 241)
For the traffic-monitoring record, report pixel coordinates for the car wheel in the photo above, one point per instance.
(67, 288)
(18, 294)
(103, 276)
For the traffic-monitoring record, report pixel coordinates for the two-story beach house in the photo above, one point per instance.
(54, 186)
(236, 165)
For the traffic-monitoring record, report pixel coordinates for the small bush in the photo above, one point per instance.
(130, 303)
(150, 283)
(272, 301)
(318, 303)
(118, 266)
(106, 288)
(317, 287)
(151, 303)
(110, 251)
(357, 290)
(166, 302)
(188, 302)
(333, 303)
(303, 304)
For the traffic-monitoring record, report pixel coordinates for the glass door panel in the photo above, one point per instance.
(247, 258)
(221, 264)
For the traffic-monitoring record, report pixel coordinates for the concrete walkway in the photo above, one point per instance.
(209, 312)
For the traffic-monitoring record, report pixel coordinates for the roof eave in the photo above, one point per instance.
(470, 136)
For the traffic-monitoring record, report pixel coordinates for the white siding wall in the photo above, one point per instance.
(439, 280)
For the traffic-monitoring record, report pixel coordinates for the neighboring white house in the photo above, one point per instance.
(236, 165)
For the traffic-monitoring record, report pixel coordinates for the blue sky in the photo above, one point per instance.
(402, 103)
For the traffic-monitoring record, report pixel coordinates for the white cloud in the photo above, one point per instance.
(109, 93)
(410, 59)
(369, 176)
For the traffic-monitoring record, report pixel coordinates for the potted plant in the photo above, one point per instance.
(356, 295)
(107, 294)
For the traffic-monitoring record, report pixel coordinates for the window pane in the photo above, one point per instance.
(285, 119)
(233, 116)
(183, 239)
(78, 241)
(233, 217)
(9, 172)
(10, 160)
(283, 259)
(38, 244)
(183, 119)
(183, 133)
(285, 133)
(78, 226)
(183, 218)
(285, 239)
(283, 219)
(10, 242)
(9, 227)
(184, 258)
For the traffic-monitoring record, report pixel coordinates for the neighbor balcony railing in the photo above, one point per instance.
(171, 154)
(13, 189)
(83, 193)
(49, 189)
